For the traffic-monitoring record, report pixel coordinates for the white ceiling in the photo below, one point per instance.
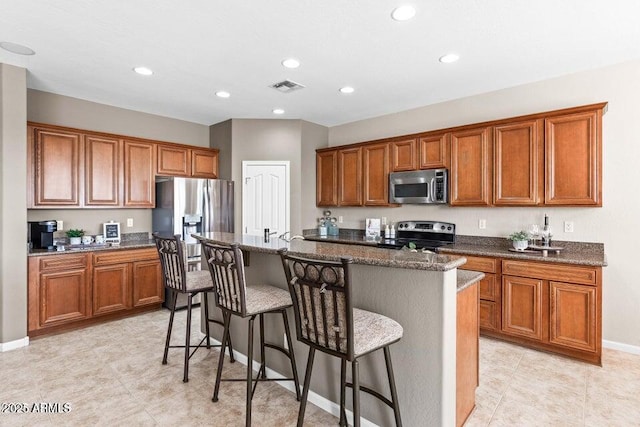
(87, 49)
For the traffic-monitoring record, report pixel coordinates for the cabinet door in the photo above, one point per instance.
(174, 161)
(57, 168)
(327, 178)
(102, 171)
(350, 177)
(139, 179)
(147, 283)
(573, 319)
(204, 164)
(522, 307)
(517, 162)
(573, 159)
(471, 167)
(434, 151)
(111, 288)
(376, 174)
(404, 155)
(64, 297)
(489, 313)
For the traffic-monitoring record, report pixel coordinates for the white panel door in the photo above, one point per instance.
(265, 197)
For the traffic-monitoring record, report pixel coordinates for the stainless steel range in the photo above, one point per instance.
(424, 234)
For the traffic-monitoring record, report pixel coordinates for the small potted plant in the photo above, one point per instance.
(75, 236)
(520, 240)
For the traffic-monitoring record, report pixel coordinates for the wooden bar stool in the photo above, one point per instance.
(234, 297)
(171, 251)
(326, 321)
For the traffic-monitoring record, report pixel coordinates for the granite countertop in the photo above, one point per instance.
(467, 278)
(579, 253)
(361, 254)
(134, 244)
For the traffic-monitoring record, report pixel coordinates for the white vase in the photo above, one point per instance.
(520, 245)
(75, 240)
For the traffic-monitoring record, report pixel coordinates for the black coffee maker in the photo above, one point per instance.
(41, 234)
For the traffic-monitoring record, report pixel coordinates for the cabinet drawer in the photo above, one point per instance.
(62, 262)
(489, 287)
(116, 257)
(548, 271)
(488, 315)
(475, 263)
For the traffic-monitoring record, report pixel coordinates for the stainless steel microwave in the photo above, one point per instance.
(419, 187)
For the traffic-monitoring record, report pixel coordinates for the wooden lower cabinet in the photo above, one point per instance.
(68, 290)
(111, 288)
(543, 305)
(467, 352)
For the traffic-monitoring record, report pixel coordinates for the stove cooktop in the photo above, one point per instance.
(424, 234)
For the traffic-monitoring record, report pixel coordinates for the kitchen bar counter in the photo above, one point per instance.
(134, 244)
(417, 290)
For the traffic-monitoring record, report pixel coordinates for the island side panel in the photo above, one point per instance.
(423, 302)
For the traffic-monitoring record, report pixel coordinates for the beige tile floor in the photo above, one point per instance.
(111, 375)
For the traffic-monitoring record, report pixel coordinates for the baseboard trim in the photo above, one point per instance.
(12, 345)
(627, 348)
(318, 400)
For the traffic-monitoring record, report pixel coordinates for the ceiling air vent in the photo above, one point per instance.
(286, 86)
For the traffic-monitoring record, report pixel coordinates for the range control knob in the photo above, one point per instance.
(449, 228)
(442, 227)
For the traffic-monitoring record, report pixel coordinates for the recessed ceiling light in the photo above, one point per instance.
(347, 89)
(222, 94)
(449, 58)
(17, 48)
(143, 70)
(278, 111)
(403, 13)
(291, 63)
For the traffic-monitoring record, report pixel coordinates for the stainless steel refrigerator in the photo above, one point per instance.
(191, 205)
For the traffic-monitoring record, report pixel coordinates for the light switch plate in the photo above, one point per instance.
(129, 222)
(482, 224)
(60, 225)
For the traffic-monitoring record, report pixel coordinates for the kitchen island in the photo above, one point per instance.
(417, 290)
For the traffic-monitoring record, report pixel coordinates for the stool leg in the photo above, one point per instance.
(305, 388)
(206, 316)
(392, 386)
(226, 316)
(173, 312)
(249, 372)
(355, 378)
(263, 363)
(292, 355)
(343, 392)
(187, 341)
(229, 344)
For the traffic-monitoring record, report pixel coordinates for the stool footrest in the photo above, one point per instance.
(373, 393)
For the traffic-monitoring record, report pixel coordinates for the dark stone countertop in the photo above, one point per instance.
(467, 278)
(135, 244)
(361, 254)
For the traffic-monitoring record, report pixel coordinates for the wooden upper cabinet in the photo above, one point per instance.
(404, 155)
(58, 168)
(376, 174)
(517, 165)
(573, 159)
(327, 178)
(434, 151)
(350, 177)
(174, 160)
(102, 171)
(139, 176)
(204, 163)
(470, 172)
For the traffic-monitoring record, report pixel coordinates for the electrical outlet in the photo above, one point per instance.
(384, 220)
(129, 222)
(482, 224)
(340, 219)
(568, 226)
(60, 225)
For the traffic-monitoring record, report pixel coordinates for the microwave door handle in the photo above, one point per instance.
(433, 189)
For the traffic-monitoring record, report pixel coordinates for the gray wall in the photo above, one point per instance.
(220, 138)
(614, 224)
(13, 211)
(313, 137)
(49, 108)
